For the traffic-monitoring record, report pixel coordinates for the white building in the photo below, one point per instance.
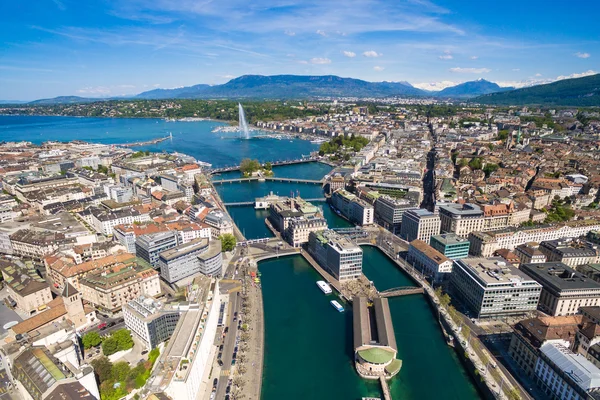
(429, 261)
(356, 210)
(336, 254)
(420, 224)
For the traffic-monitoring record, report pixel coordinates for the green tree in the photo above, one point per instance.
(248, 166)
(123, 338)
(120, 371)
(490, 169)
(153, 355)
(91, 339)
(475, 163)
(228, 241)
(102, 368)
(110, 346)
(268, 166)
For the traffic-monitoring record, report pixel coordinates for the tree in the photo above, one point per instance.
(110, 346)
(120, 371)
(248, 166)
(228, 241)
(268, 166)
(490, 169)
(91, 339)
(475, 163)
(153, 355)
(123, 338)
(102, 368)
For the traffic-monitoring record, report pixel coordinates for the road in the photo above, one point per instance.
(228, 345)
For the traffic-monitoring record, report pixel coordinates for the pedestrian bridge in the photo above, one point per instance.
(401, 291)
(268, 178)
(253, 241)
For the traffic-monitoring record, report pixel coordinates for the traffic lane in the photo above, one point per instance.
(228, 346)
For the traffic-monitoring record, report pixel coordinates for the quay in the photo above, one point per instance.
(268, 178)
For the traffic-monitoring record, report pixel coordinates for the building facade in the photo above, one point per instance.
(419, 224)
(451, 245)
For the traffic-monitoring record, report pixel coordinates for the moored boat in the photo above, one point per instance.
(337, 305)
(325, 288)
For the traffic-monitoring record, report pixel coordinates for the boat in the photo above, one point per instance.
(324, 287)
(319, 141)
(337, 305)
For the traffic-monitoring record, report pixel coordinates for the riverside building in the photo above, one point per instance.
(493, 289)
(419, 224)
(451, 245)
(429, 261)
(389, 212)
(354, 209)
(337, 254)
(198, 256)
(565, 290)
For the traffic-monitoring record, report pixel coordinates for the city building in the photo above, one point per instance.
(419, 224)
(111, 288)
(26, 290)
(152, 321)
(563, 374)
(493, 289)
(35, 245)
(299, 229)
(429, 261)
(287, 208)
(529, 253)
(353, 208)
(219, 222)
(461, 219)
(572, 252)
(337, 254)
(451, 245)
(389, 212)
(103, 220)
(564, 289)
(148, 247)
(198, 256)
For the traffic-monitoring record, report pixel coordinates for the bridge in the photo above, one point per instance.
(402, 291)
(268, 178)
(251, 203)
(252, 241)
(273, 163)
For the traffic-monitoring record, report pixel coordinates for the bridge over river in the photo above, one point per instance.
(273, 163)
(268, 178)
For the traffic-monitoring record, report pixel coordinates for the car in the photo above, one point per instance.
(144, 352)
(220, 356)
(228, 389)
(212, 395)
(226, 329)
(220, 362)
(111, 324)
(235, 349)
(215, 382)
(221, 348)
(102, 326)
(233, 361)
(120, 321)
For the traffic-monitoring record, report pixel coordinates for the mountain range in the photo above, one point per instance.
(578, 91)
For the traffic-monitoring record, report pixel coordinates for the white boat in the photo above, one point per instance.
(319, 141)
(337, 305)
(324, 287)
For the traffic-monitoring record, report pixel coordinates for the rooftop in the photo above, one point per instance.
(494, 271)
(429, 251)
(196, 245)
(449, 239)
(558, 277)
(581, 371)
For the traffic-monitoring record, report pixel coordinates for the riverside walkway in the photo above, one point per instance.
(268, 178)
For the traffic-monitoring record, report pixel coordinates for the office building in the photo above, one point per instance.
(389, 212)
(529, 253)
(152, 321)
(419, 224)
(26, 289)
(299, 229)
(461, 219)
(565, 290)
(198, 256)
(353, 208)
(572, 252)
(429, 261)
(336, 254)
(493, 289)
(451, 245)
(148, 247)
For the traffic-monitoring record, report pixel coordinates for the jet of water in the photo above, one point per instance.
(243, 124)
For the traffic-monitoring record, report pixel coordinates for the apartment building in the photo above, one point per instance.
(529, 253)
(569, 251)
(419, 224)
(299, 229)
(429, 261)
(26, 290)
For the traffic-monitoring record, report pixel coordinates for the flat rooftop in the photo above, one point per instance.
(449, 239)
(184, 249)
(495, 270)
(559, 277)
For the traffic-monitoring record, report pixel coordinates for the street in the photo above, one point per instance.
(229, 344)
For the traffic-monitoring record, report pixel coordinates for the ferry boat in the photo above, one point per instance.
(337, 305)
(324, 287)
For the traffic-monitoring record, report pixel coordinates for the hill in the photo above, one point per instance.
(471, 89)
(289, 86)
(64, 100)
(582, 92)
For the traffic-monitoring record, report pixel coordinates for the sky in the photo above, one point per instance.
(104, 48)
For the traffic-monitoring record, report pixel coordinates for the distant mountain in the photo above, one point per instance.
(12, 102)
(583, 92)
(471, 89)
(182, 92)
(64, 100)
(289, 86)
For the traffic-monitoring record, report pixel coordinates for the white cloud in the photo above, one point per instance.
(97, 90)
(226, 76)
(378, 68)
(289, 33)
(446, 56)
(474, 57)
(538, 75)
(532, 81)
(582, 55)
(322, 33)
(371, 54)
(435, 85)
(516, 69)
(302, 62)
(318, 60)
(349, 54)
(470, 70)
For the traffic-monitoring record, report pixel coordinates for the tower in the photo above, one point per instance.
(74, 305)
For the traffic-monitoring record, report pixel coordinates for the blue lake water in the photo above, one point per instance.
(193, 138)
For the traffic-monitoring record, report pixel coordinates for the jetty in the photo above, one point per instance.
(144, 143)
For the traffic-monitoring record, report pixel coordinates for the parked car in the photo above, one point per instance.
(144, 352)
(111, 324)
(215, 382)
(102, 326)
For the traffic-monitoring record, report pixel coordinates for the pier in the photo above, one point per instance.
(144, 143)
(268, 178)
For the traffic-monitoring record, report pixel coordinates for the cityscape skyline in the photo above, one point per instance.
(97, 49)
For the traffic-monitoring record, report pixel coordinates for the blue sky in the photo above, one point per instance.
(105, 48)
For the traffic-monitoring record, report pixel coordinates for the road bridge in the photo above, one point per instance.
(251, 203)
(268, 178)
(273, 163)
